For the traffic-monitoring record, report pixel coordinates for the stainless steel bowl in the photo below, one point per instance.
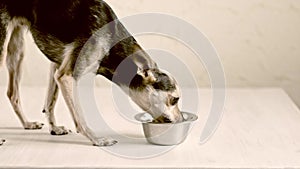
(166, 134)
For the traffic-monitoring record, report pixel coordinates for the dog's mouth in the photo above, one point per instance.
(162, 119)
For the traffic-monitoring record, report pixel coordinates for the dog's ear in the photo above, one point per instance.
(147, 74)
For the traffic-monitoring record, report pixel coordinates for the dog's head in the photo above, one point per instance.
(157, 92)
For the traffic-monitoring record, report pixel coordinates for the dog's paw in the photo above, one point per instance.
(33, 125)
(2, 142)
(59, 130)
(103, 142)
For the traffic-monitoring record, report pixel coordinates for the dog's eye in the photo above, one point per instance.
(174, 101)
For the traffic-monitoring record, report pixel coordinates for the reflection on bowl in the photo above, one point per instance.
(166, 134)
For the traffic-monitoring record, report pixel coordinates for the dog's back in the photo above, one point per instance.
(55, 23)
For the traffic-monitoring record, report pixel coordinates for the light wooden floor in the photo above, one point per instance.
(260, 129)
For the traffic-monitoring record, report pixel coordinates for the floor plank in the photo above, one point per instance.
(260, 129)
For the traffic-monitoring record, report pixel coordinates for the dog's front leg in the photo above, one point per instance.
(50, 102)
(68, 86)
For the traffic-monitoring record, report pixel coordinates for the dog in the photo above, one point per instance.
(61, 29)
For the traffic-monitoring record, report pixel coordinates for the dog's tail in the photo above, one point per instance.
(1, 60)
(4, 19)
(2, 48)
(2, 57)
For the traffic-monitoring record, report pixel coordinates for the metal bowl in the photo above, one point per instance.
(166, 134)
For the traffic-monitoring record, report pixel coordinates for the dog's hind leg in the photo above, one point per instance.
(15, 54)
(50, 102)
(4, 19)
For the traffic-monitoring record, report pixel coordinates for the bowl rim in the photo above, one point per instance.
(191, 118)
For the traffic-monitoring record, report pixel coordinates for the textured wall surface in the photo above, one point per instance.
(258, 40)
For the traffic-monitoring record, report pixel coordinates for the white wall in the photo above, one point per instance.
(258, 40)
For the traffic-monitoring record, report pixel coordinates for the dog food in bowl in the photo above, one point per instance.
(166, 134)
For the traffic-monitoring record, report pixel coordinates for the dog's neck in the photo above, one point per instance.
(124, 61)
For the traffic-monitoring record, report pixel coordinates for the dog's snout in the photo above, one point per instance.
(174, 118)
(162, 119)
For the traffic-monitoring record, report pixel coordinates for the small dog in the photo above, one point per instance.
(61, 29)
